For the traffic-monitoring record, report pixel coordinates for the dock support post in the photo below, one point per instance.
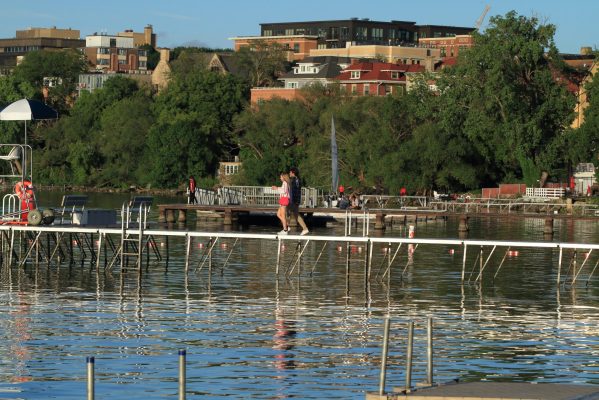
(228, 217)
(408, 387)
(278, 256)
(548, 229)
(463, 226)
(182, 216)
(170, 215)
(182, 377)
(383, 374)
(187, 251)
(559, 266)
(429, 351)
(90, 378)
(100, 237)
(379, 221)
(367, 262)
(464, 262)
(161, 215)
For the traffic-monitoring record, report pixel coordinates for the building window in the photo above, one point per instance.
(112, 42)
(267, 32)
(366, 89)
(388, 89)
(361, 33)
(289, 32)
(300, 31)
(334, 33)
(122, 62)
(443, 54)
(354, 89)
(231, 169)
(292, 85)
(394, 75)
(296, 48)
(142, 64)
(103, 50)
(322, 33)
(437, 34)
(122, 52)
(355, 75)
(344, 33)
(377, 33)
(142, 53)
(103, 61)
(392, 33)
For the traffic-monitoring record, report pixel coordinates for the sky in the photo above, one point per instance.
(213, 23)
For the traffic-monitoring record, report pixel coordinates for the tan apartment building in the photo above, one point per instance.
(298, 46)
(114, 54)
(12, 50)
(141, 38)
(390, 54)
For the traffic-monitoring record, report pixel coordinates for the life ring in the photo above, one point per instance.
(24, 190)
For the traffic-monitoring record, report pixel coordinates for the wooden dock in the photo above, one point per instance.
(171, 213)
(496, 391)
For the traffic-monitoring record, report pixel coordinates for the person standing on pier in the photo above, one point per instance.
(284, 200)
(192, 190)
(296, 199)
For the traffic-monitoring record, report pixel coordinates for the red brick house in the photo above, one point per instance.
(376, 78)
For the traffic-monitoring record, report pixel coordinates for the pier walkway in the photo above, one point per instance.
(54, 244)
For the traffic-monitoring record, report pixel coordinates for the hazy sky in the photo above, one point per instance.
(212, 23)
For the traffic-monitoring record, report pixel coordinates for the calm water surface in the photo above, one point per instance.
(249, 335)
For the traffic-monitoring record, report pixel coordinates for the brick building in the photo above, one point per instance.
(298, 46)
(301, 38)
(376, 78)
(448, 46)
(114, 53)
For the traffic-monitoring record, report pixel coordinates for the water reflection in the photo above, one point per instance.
(315, 333)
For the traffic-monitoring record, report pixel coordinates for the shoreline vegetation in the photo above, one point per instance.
(502, 113)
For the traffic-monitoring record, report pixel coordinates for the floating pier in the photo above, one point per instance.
(134, 247)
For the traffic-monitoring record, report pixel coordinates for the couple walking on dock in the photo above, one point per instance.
(290, 197)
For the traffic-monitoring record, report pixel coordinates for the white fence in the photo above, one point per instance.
(251, 195)
(545, 192)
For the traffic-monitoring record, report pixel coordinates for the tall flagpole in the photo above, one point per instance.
(334, 163)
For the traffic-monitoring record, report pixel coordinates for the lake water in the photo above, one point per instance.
(251, 335)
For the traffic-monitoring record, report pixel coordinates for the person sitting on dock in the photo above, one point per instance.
(354, 202)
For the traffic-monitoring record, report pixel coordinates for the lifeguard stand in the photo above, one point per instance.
(16, 206)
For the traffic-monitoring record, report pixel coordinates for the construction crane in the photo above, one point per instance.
(480, 19)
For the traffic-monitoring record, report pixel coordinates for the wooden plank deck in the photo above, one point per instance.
(497, 391)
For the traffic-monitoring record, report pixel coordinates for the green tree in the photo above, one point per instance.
(502, 94)
(12, 90)
(272, 139)
(71, 149)
(193, 124)
(263, 61)
(63, 66)
(122, 140)
(153, 56)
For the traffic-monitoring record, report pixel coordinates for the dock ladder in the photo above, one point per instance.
(132, 245)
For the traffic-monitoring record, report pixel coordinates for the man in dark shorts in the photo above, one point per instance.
(296, 199)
